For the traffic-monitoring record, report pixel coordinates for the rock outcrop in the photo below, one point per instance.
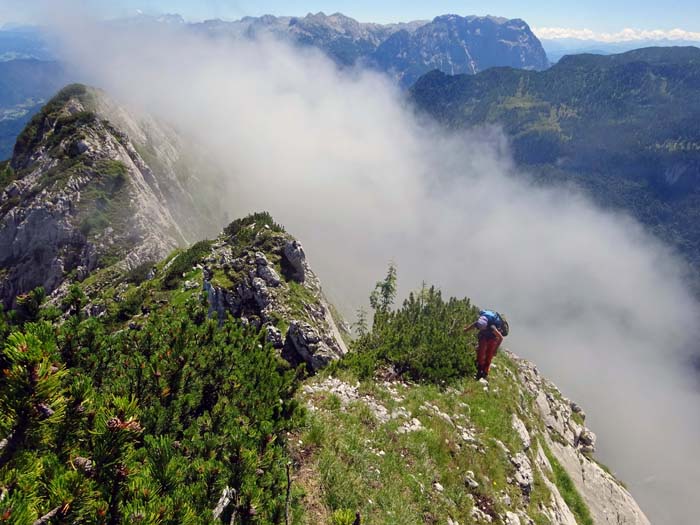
(544, 456)
(83, 197)
(572, 444)
(260, 274)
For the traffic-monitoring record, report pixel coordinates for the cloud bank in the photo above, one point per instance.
(341, 161)
(625, 35)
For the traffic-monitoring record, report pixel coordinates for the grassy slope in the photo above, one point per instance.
(350, 461)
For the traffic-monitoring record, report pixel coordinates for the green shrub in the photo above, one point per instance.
(184, 262)
(140, 273)
(146, 425)
(423, 340)
(28, 304)
(259, 220)
(7, 174)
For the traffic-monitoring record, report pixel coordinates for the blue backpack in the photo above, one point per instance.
(497, 320)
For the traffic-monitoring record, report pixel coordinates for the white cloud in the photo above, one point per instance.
(625, 35)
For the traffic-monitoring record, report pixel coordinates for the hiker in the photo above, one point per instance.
(490, 338)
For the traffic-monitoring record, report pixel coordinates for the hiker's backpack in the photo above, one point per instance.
(497, 320)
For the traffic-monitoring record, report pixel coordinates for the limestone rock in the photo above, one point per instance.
(480, 516)
(523, 472)
(587, 441)
(411, 426)
(304, 341)
(607, 499)
(274, 336)
(260, 293)
(347, 394)
(228, 496)
(294, 255)
(523, 434)
(469, 480)
(511, 519)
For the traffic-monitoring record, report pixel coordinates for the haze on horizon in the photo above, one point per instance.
(623, 21)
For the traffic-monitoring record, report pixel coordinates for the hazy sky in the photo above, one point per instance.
(596, 15)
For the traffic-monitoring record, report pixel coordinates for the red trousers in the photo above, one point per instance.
(485, 353)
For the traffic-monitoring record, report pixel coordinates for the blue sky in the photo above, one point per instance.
(596, 15)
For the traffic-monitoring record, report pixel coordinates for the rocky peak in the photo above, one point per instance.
(78, 195)
(258, 273)
(254, 272)
(572, 445)
(451, 43)
(455, 45)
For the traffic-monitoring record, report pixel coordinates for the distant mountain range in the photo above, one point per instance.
(451, 43)
(455, 44)
(342, 38)
(624, 127)
(404, 51)
(558, 48)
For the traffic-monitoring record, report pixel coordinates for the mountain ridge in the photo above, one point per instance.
(161, 385)
(77, 195)
(622, 127)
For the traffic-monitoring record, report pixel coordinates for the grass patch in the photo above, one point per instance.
(369, 466)
(299, 296)
(568, 491)
(7, 174)
(184, 263)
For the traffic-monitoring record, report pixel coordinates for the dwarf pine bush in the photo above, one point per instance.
(422, 340)
(147, 425)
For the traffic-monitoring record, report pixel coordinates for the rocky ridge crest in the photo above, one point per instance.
(254, 272)
(509, 450)
(78, 195)
(450, 43)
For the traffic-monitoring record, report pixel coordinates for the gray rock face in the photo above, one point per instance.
(455, 45)
(587, 441)
(523, 472)
(512, 519)
(519, 427)
(557, 511)
(228, 496)
(266, 272)
(296, 258)
(274, 337)
(52, 229)
(259, 294)
(571, 444)
(304, 340)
